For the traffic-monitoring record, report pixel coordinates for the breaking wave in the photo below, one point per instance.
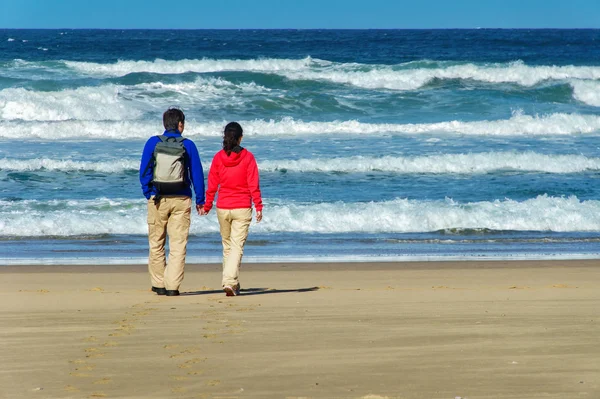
(107, 216)
(471, 163)
(408, 76)
(518, 124)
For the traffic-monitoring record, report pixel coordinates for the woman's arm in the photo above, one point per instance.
(254, 186)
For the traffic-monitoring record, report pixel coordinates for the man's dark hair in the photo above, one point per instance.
(172, 117)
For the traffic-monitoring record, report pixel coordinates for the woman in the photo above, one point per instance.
(234, 174)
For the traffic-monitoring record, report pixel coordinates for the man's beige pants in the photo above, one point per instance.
(169, 216)
(234, 225)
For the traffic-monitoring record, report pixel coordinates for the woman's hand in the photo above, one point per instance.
(201, 211)
(258, 216)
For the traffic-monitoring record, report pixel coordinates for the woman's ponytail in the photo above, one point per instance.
(231, 136)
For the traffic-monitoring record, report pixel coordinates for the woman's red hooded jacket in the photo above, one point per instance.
(235, 176)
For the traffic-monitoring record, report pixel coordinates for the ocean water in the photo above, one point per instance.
(372, 144)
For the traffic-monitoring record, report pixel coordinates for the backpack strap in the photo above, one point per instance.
(163, 138)
(178, 139)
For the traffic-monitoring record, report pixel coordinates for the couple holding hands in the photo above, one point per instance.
(169, 169)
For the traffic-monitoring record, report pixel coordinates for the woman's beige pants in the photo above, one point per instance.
(234, 225)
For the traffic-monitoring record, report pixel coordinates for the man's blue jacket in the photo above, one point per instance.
(194, 175)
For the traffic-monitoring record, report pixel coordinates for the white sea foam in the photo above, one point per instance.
(447, 163)
(122, 68)
(587, 91)
(118, 130)
(86, 103)
(207, 93)
(10, 39)
(518, 124)
(387, 77)
(67, 165)
(104, 216)
(403, 216)
(119, 102)
(218, 86)
(471, 163)
(393, 77)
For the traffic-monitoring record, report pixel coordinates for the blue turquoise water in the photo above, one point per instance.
(371, 144)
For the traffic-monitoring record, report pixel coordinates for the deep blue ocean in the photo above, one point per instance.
(371, 144)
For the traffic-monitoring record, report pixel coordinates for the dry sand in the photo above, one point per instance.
(381, 330)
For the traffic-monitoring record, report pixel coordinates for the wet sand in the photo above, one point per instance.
(366, 330)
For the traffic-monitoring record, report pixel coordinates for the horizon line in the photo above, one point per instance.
(304, 29)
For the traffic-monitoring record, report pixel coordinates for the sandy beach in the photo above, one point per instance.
(365, 330)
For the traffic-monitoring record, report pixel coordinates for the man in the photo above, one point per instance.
(170, 199)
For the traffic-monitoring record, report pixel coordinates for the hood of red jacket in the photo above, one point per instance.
(233, 159)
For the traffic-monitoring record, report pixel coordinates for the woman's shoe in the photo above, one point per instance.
(232, 291)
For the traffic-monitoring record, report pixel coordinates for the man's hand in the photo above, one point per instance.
(258, 216)
(201, 211)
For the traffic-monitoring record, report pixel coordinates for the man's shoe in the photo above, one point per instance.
(232, 291)
(159, 290)
(172, 292)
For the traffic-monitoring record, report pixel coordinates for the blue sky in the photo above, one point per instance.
(303, 14)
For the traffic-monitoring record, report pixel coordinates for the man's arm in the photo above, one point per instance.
(146, 168)
(196, 172)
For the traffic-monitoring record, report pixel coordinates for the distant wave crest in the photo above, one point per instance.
(409, 76)
(447, 163)
(518, 124)
(471, 163)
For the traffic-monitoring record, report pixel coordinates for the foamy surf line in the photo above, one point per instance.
(118, 102)
(72, 218)
(406, 76)
(519, 124)
(471, 163)
(288, 259)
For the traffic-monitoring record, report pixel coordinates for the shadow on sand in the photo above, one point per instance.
(252, 291)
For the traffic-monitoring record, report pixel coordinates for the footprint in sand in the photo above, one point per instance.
(98, 395)
(103, 381)
(95, 355)
(89, 367)
(188, 364)
(110, 343)
(190, 351)
(80, 375)
(213, 383)
(244, 309)
(178, 390)
(96, 289)
(70, 388)
(126, 328)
